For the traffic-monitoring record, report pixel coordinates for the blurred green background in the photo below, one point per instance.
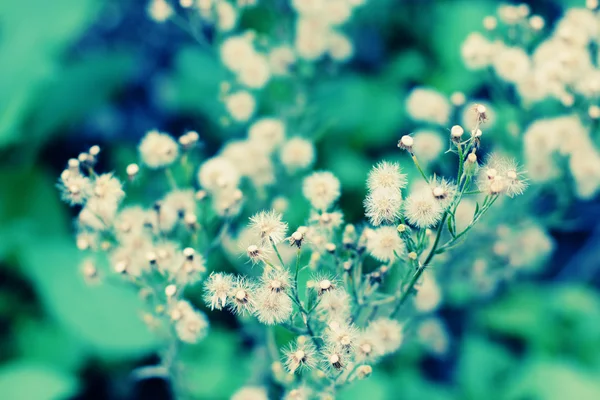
(74, 73)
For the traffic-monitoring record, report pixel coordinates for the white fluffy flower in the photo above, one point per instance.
(297, 154)
(272, 307)
(226, 16)
(235, 51)
(281, 58)
(300, 356)
(388, 334)
(192, 326)
(251, 393)
(477, 51)
(74, 188)
(339, 46)
(159, 10)
(422, 209)
(428, 105)
(218, 173)
(268, 226)
(267, 133)
(428, 145)
(385, 244)
(322, 189)
(383, 205)
(428, 295)
(511, 64)
(386, 175)
(240, 105)
(217, 289)
(255, 72)
(311, 38)
(158, 149)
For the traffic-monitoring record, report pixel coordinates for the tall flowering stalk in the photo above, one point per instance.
(344, 294)
(344, 316)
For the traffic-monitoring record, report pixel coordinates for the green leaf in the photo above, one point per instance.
(483, 368)
(31, 381)
(554, 379)
(104, 317)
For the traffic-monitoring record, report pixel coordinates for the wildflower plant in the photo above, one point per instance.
(345, 291)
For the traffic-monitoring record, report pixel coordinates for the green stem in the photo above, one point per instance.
(414, 158)
(421, 268)
(279, 256)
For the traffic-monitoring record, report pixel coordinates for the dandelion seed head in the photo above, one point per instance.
(300, 356)
(388, 334)
(267, 133)
(386, 175)
(158, 150)
(272, 307)
(422, 210)
(217, 174)
(383, 206)
(268, 226)
(428, 105)
(217, 289)
(240, 105)
(297, 154)
(384, 243)
(321, 189)
(255, 72)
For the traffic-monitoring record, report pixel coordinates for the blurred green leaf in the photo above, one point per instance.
(365, 108)
(482, 369)
(30, 381)
(194, 85)
(104, 317)
(49, 344)
(554, 380)
(216, 367)
(34, 34)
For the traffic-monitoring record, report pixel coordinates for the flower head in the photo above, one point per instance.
(386, 175)
(158, 150)
(300, 356)
(383, 206)
(385, 244)
(422, 209)
(267, 225)
(217, 289)
(322, 189)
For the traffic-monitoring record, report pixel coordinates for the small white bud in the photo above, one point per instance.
(170, 290)
(456, 132)
(480, 108)
(594, 111)
(490, 23)
(132, 170)
(94, 151)
(406, 142)
(188, 252)
(458, 99)
(536, 22)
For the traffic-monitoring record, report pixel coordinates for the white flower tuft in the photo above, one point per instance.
(386, 175)
(385, 243)
(158, 150)
(383, 205)
(422, 210)
(267, 225)
(322, 189)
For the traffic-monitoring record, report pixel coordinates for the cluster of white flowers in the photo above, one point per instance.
(560, 66)
(344, 318)
(340, 288)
